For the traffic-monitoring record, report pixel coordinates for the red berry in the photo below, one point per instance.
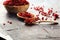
(42, 18)
(55, 15)
(41, 9)
(3, 23)
(44, 13)
(10, 22)
(10, 3)
(36, 8)
(50, 11)
(6, 3)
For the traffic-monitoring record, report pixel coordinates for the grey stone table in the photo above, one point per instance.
(19, 31)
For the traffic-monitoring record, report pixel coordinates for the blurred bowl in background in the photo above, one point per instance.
(16, 9)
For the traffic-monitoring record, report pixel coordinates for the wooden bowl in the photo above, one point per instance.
(16, 9)
(24, 17)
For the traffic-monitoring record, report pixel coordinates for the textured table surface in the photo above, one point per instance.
(19, 31)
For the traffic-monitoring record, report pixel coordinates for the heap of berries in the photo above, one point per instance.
(47, 14)
(15, 2)
(26, 15)
(29, 18)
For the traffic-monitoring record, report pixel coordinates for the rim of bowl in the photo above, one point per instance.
(16, 6)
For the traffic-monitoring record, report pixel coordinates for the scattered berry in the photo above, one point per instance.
(50, 11)
(42, 18)
(55, 15)
(10, 22)
(3, 23)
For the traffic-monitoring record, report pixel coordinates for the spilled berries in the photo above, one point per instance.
(48, 13)
(9, 22)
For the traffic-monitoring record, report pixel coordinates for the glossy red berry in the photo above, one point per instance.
(50, 11)
(55, 15)
(42, 18)
(44, 13)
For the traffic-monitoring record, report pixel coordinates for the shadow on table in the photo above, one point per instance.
(11, 15)
(30, 24)
(14, 16)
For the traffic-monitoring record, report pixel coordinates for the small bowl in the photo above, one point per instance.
(25, 17)
(16, 9)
